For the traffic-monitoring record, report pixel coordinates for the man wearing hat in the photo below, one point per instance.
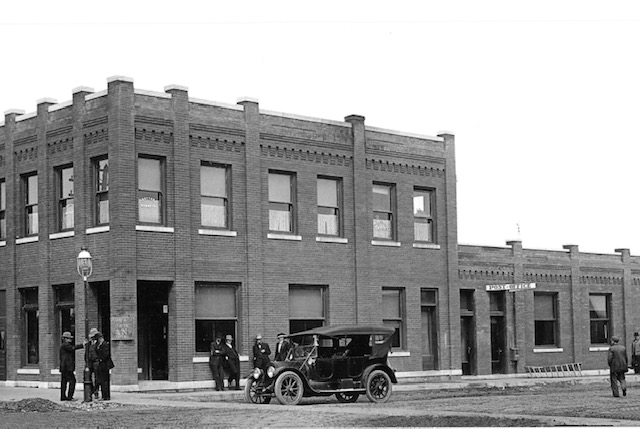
(261, 352)
(282, 348)
(104, 364)
(216, 360)
(635, 353)
(617, 360)
(92, 361)
(232, 362)
(68, 366)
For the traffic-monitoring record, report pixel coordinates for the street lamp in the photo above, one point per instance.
(85, 268)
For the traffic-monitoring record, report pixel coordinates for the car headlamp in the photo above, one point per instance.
(271, 371)
(256, 373)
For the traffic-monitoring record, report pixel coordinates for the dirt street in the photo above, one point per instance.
(548, 405)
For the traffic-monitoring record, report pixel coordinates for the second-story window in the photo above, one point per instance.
(64, 178)
(281, 202)
(3, 210)
(101, 183)
(383, 211)
(214, 201)
(328, 206)
(30, 188)
(423, 215)
(150, 190)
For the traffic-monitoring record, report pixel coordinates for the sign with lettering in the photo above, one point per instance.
(122, 328)
(511, 287)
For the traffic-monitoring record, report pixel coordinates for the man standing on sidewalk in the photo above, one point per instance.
(617, 360)
(67, 366)
(635, 353)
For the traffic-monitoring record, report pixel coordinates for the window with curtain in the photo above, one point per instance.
(101, 191)
(3, 210)
(30, 336)
(328, 206)
(64, 178)
(306, 307)
(150, 190)
(214, 202)
(216, 312)
(383, 211)
(281, 202)
(393, 314)
(423, 225)
(546, 319)
(30, 192)
(599, 315)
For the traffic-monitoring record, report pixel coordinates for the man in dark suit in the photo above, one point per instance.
(261, 352)
(282, 348)
(103, 354)
(232, 360)
(216, 360)
(617, 360)
(67, 366)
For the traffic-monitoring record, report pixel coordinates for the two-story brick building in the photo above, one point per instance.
(205, 218)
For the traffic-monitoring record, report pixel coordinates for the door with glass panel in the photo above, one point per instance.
(429, 328)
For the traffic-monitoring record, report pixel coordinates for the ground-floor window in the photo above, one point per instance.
(546, 319)
(599, 315)
(30, 352)
(393, 314)
(306, 307)
(216, 312)
(64, 311)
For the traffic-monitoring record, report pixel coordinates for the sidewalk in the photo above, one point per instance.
(190, 397)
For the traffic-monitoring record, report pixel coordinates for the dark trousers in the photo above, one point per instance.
(67, 385)
(103, 381)
(217, 372)
(618, 382)
(233, 369)
(635, 363)
(93, 376)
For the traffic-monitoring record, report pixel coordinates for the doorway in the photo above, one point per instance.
(429, 328)
(3, 334)
(498, 332)
(153, 327)
(467, 331)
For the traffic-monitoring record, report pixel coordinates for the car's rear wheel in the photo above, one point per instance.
(251, 394)
(345, 397)
(378, 386)
(289, 388)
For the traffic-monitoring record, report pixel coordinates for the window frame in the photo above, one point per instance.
(430, 219)
(203, 346)
(306, 323)
(100, 195)
(398, 322)
(546, 322)
(338, 207)
(62, 201)
(62, 306)
(390, 214)
(292, 204)
(3, 209)
(161, 193)
(30, 312)
(28, 208)
(605, 321)
(226, 198)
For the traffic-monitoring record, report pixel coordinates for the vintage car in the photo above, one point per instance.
(345, 361)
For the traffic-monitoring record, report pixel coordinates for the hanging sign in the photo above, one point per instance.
(511, 287)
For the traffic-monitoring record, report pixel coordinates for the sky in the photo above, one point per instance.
(543, 97)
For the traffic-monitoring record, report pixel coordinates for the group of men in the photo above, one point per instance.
(618, 363)
(98, 359)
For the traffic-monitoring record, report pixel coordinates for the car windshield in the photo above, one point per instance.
(311, 346)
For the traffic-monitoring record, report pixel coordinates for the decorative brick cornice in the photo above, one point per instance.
(25, 140)
(211, 131)
(601, 280)
(59, 132)
(154, 136)
(97, 136)
(95, 122)
(416, 170)
(60, 145)
(305, 155)
(26, 154)
(216, 144)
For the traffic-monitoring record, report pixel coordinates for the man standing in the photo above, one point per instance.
(103, 354)
(233, 362)
(282, 348)
(617, 360)
(92, 361)
(215, 361)
(67, 366)
(261, 352)
(635, 353)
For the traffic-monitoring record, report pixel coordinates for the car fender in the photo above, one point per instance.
(389, 371)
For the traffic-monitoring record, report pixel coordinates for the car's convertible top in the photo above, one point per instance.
(341, 330)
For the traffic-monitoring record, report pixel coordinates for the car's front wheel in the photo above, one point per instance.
(345, 397)
(251, 394)
(289, 388)
(378, 386)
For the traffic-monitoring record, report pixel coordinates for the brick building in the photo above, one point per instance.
(206, 218)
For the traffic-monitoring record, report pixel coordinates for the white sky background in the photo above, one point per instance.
(542, 96)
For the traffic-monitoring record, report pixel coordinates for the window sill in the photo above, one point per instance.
(98, 229)
(63, 234)
(399, 353)
(3, 243)
(549, 350)
(152, 228)
(289, 237)
(385, 243)
(56, 371)
(24, 240)
(218, 232)
(426, 246)
(205, 359)
(599, 349)
(339, 240)
(30, 371)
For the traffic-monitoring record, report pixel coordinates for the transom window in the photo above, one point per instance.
(214, 200)
(328, 206)
(423, 215)
(64, 177)
(281, 202)
(150, 190)
(383, 211)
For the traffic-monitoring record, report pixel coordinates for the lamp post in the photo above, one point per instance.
(85, 268)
